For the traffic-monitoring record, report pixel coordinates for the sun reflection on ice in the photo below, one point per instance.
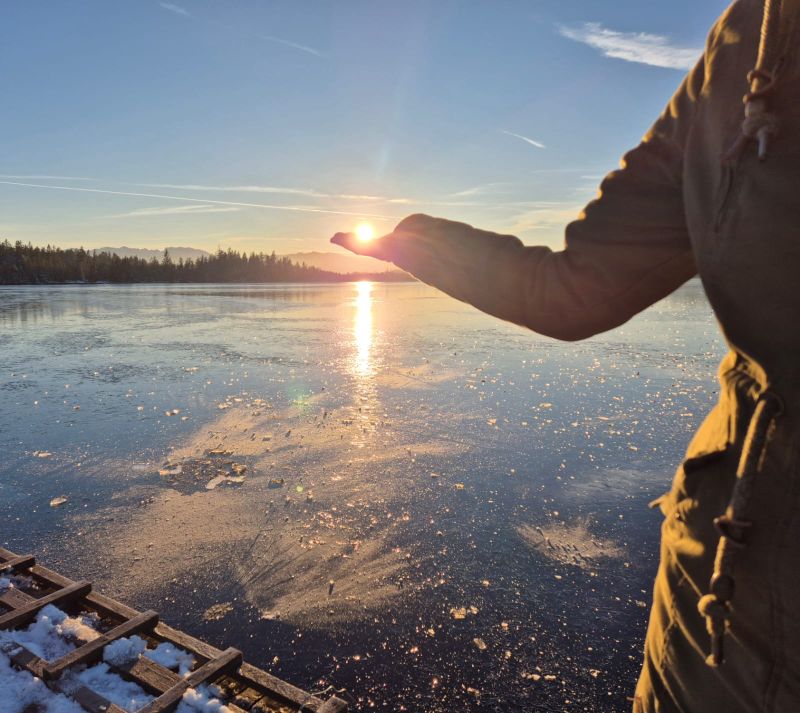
(363, 366)
(362, 329)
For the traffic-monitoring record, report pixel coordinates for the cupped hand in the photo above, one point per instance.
(377, 247)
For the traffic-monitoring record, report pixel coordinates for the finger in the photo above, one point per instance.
(348, 241)
(342, 239)
(351, 242)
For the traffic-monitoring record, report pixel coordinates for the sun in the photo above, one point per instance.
(365, 232)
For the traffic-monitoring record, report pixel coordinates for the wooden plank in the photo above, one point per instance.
(93, 650)
(156, 679)
(25, 613)
(25, 659)
(261, 680)
(280, 689)
(228, 659)
(18, 562)
(251, 675)
(187, 641)
(7, 554)
(93, 702)
(149, 675)
(14, 598)
(99, 602)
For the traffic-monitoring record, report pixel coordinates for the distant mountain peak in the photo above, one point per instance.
(342, 263)
(176, 253)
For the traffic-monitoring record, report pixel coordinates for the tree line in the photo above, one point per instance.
(24, 264)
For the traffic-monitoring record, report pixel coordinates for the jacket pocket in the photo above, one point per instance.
(701, 482)
(710, 444)
(701, 491)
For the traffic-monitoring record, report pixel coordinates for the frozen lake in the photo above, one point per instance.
(365, 486)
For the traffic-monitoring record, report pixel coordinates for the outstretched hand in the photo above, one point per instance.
(377, 247)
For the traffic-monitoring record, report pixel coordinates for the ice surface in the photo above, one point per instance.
(372, 414)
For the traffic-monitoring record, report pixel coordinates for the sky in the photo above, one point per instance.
(267, 125)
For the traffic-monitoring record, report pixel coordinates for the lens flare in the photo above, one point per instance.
(365, 232)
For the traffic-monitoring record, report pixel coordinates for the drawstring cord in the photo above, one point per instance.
(734, 525)
(759, 123)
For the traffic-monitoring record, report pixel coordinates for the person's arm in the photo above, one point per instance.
(629, 248)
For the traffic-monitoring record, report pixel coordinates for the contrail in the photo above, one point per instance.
(298, 209)
(177, 9)
(295, 45)
(537, 144)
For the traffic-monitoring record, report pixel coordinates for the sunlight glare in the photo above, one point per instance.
(365, 232)
(363, 328)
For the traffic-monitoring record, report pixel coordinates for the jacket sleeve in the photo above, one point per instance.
(628, 248)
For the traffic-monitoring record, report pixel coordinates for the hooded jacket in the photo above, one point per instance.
(684, 203)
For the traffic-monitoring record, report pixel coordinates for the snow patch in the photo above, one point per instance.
(171, 657)
(124, 651)
(99, 678)
(53, 634)
(20, 690)
(202, 699)
(15, 581)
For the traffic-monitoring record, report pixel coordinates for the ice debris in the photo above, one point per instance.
(217, 611)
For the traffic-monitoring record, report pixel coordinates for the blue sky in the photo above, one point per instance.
(270, 125)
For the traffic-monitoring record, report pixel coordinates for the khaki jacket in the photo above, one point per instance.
(674, 209)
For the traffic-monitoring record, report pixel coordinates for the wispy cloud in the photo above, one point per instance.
(293, 45)
(544, 217)
(478, 190)
(44, 178)
(280, 190)
(532, 142)
(236, 189)
(191, 209)
(641, 47)
(267, 206)
(177, 9)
